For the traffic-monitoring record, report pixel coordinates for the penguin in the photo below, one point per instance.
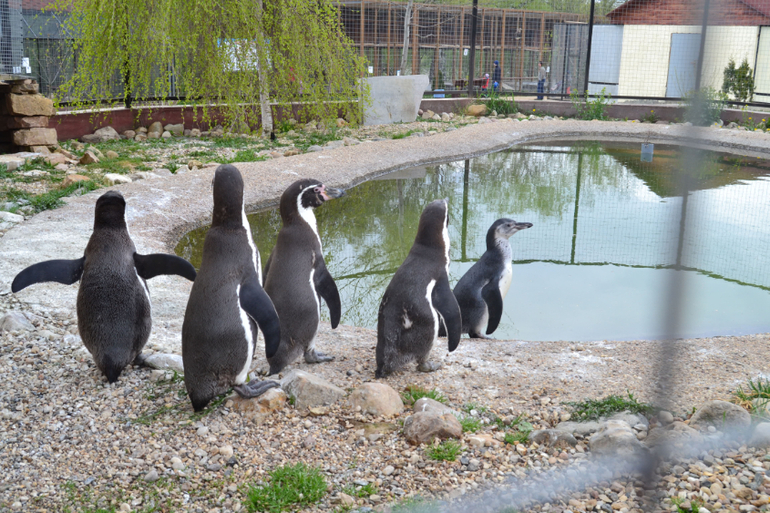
(113, 303)
(481, 290)
(296, 277)
(418, 299)
(227, 303)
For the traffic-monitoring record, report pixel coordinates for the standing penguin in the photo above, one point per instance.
(113, 304)
(219, 334)
(481, 290)
(418, 299)
(296, 276)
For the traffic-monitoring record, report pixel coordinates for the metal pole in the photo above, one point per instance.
(588, 52)
(703, 28)
(472, 56)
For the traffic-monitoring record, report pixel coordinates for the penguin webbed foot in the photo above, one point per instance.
(428, 366)
(480, 336)
(140, 360)
(317, 357)
(254, 388)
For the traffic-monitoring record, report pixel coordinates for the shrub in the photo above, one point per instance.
(587, 109)
(501, 104)
(739, 81)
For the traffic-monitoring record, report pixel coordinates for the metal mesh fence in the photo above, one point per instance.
(11, 61)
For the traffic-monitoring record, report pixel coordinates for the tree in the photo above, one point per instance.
(230, 54)
(739, 81)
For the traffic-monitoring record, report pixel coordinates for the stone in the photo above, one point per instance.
(226, 451)
(615, 437)
(10, 217)
(70, 179)
(155, 128)
(35, 137)
(89, 158)
(56, 158)
(176, 129)
(291, 152)
(35, 173)
(111, 154)
(140, 137)
(665, 417)
(309, 390)
(334, 144)
(388, 470)
(166, 134)
(314, 148)
(761, 436)
(29, 105)
(428, 114)
(341, 123)
(151, 476)
(15, 321)
(272, 400)
(25, 87)
(349, 141)
(477, 110)
(722, 415)
(96, 151)
(423, 427)
(553, 438)
(165, 361)
(479, 440)
(394, 99)
(15, 122)
(432, 406)
(12, 161)
(580, 428)
(632, 419)
(195, 132)
(128, 134)
(103, 134)
(346, 500)
(376, 399)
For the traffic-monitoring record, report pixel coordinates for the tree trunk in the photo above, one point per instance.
(405, 49)
(264, 91)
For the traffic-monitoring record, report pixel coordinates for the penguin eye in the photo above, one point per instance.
(317, 189)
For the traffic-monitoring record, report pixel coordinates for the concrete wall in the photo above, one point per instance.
(646, 51)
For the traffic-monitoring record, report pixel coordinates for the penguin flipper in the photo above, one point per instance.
(150, 266)
(60, 271)
(494, 300)
(257, 304)
(324, 285)
(445, 303)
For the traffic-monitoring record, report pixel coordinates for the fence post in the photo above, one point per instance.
(588, 51)
(472, 56)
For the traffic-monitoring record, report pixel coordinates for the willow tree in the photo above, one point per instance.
(225, 55)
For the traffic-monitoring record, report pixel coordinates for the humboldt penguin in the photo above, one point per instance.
(480, 292)
(113, 302)
(296, 277)
(418, 300)
(227, 303)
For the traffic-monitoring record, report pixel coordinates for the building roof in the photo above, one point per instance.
(685, 12)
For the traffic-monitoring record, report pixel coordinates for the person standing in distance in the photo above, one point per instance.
(541, 75)
(496, 77)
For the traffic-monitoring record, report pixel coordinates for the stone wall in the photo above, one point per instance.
(24, 116)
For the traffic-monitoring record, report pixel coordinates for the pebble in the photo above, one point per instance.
(151, 476)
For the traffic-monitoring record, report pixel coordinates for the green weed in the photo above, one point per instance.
(412, 393)
(52, 198)
(470, 424)
(704, 107)
(445, 451)
(591, 109)
(651, 117)
(361, 491)
(593, 409)
(469, 407)
(501, 104)
(679, 503)
(755, 397)
(289, 486)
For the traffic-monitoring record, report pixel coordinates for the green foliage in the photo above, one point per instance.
(469, 407)
(445, 451)
(415, 505)
(501, 104)
(755, 397)
(413, 393)
(681, 505)
(591, 109)
(521, 430)
(470, 424)
(739, 81)
(752, 124)
(651, 117)
(227, 53)
(593, 409)
(360, 491)
(290, 486)
(52, 198)
(704, 107)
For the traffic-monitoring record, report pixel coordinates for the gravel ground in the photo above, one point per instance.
(70, 441)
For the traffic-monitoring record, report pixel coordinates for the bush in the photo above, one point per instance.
(704, 107)
(501, 104)
(739, 81)
(591, 109)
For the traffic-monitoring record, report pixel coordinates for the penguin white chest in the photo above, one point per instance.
(429, 297)
(505, 279)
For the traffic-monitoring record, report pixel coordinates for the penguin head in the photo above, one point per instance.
(433, 228)
(304, 195)
(110, 211)
(228, 196)
(503, 229)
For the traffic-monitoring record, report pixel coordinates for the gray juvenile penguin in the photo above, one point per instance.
(219, 334)
(418, 299)
(480, 292)
(113, 304)
(296, 276)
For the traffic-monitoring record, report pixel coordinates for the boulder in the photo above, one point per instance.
(70, 179)
(195, 132)
(64, 152)
(553, 438)
(25, 87)
(422, 427)
(15, 321)
(166, 134)
(429, 405)
(155, 128)
(377, 399)
(428, 114)
(722, 415)
(35, 137)
(272, 400)
(110, 154)
(56, 158)
(12, 161)
(140, 137)
(476, 110)
(445, 117)
(103, 134)
(615, 437)
(580, 428)
(479, 440)
(341, 123)
(14, 122)
(116, 179)
(29, 105)
(176, 130)
(761, 436)
(128, 134)
(89, 158)
(309, 390)
(165, 361)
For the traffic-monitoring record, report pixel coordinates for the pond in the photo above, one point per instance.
(599, 259)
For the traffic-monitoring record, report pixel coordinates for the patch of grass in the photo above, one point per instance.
(415, 505)
(249, 155)
(502, 104)
(404, 135)
(469, 407)
(588, 109)
(755, 397)
(651, 117)
(470, 424)
(679, 502)
(289, 486)
(37, 163)
(233, 141)
(361, 491)
(445, 451)
(317, 138)
(412, 393)
(593, 409)
(52, 198)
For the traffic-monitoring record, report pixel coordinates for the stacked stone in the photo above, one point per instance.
(24, 115)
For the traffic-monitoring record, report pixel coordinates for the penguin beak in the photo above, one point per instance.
(523, 226)
(331, 192)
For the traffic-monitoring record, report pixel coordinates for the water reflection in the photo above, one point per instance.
(595, 263)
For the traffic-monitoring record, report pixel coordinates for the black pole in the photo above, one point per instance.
(472, 58)
(466, 181)
(704, 26)
(577, 203)
(564, 61)
(588, 51)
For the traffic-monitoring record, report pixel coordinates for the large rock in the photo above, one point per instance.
(35, 137)
(272, 400)
(309, 390)
(394, 99)
(377, 399)
(14, 122)
(115, 178)
(423, 427)
(580, 428)
(29, 105)
(165, 361)
(761, 436)
(175, 129)
(722, 415)
(477, 110)
(10, 217)
(106, 133)
(15, 321)
(70, 179)
(25, 87)
(429, 405)
(89, 158)
(155, 128)
(615, 438)
(12, 161)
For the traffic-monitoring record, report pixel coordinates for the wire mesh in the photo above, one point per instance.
(11, 62)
